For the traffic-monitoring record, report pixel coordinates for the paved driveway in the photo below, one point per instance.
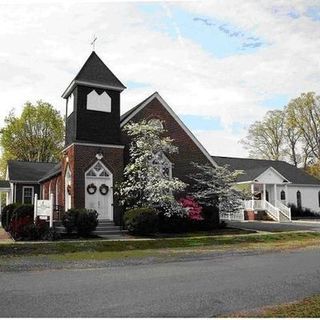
(197, 288)
(275, 226)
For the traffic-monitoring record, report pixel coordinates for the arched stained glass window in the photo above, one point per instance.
(97, 170)
(161, 162)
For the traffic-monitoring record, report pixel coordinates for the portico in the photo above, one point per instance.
(269, 193)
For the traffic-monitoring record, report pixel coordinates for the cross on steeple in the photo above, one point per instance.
(93, 43)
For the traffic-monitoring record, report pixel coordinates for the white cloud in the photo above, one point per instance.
(220, 143)
(44, 45)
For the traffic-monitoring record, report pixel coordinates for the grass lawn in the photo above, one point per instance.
(306, 308)
(106, 249)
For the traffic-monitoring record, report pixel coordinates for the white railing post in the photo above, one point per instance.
(51, 211)
(35, 206)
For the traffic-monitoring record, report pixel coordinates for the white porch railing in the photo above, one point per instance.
(286, 211)
(237, 216)
(263, 205)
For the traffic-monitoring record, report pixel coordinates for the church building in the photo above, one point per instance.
(96, 152)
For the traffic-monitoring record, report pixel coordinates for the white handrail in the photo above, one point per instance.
(284, 209)
(272, 210)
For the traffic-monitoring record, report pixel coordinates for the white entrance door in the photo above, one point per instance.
(98, 190)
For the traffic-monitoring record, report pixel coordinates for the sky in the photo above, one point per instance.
(220, 64)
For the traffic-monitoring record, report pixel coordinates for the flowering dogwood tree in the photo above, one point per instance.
(215, 187)
(148, 178)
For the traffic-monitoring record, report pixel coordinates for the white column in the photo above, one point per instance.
(264, 195)
(35, 204)
(51, 210)
(286, 193)
(275, 193)
(252, 198)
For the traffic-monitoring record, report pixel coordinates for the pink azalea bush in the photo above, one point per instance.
(192, 207)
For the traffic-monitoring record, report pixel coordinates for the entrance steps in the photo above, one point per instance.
(105, 228)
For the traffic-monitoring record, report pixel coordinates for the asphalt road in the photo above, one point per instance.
(275, 226)
(205, 288)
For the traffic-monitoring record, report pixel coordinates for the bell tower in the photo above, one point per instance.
(93, 140)
(93, 104)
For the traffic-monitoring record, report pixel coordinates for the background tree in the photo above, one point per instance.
(36, 135)
(147, 181)
(265, 138)
(304, 115)
(215, 187)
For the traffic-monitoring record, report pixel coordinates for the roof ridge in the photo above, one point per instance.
(256, 159)
(17, 160)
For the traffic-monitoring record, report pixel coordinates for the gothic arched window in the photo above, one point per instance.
(97, 170)
(156, 122)
(299, 204)
(282, 195)
(161, 162)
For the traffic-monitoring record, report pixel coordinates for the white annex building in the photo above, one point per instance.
(275, 185)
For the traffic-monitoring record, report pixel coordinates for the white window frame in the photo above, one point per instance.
(67, 197)
(109, 173)
(57, 192)
(161, 166)
(32, 194)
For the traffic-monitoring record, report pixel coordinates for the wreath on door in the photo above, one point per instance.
(69, 189)
(91, 188)
(104, 189)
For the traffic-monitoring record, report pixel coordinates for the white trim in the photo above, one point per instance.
(57, 192)
(73, 84)
(172, 113)
(25, 187)
(108, 178)
(277, 172)
(117, 146)
(67, 197)
(304, 185)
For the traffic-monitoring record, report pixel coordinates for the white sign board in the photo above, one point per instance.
(43, 208)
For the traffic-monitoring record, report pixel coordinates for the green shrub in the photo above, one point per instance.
(182, 224)
(87, 222)
(141, 221)
(51, 234)
(69, 220)
(20, 226)
(6, 215)
(83, 221)
(301, 212)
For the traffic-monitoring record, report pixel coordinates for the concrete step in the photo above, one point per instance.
(107, 232)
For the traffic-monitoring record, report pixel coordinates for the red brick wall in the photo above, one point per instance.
(80, 159)
(188, 150)
(46, 186)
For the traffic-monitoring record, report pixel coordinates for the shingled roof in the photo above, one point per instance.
(95, 72)
(130, 111)
(52, 172)
(252, 168)
(28, 171)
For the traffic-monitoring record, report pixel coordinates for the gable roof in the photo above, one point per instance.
(126, 117)
(28, 171)
(254, 167)
(55, 170)
(95, 73)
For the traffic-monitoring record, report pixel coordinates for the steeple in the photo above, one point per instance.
(93, 104)
(95, 72)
